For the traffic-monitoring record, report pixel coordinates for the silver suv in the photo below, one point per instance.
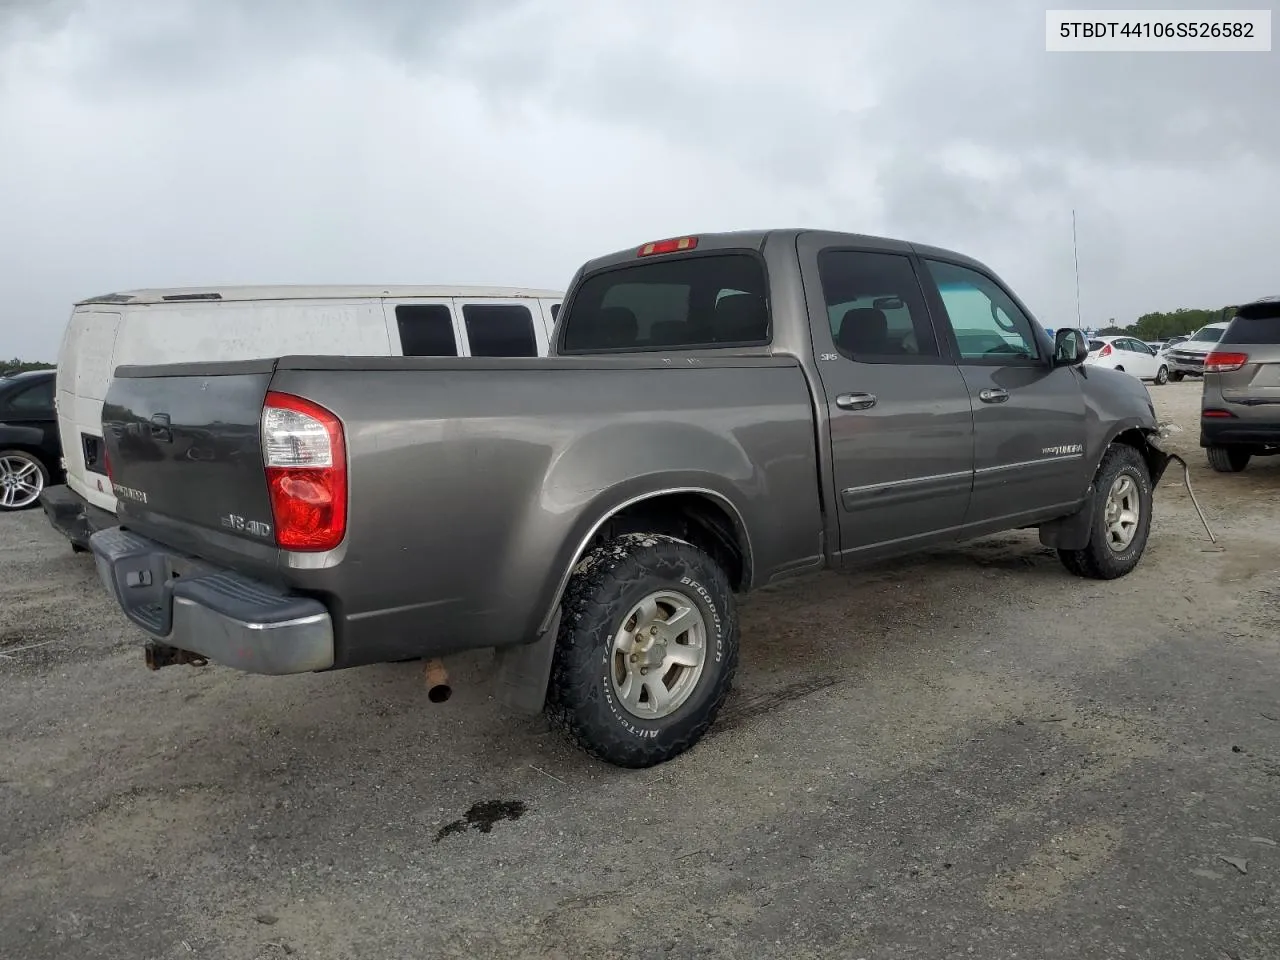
(1240, 401)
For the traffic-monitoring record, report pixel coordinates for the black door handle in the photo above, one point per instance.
(856, 401)
(994, 395)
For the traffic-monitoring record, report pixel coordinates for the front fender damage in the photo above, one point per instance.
(1073, 531)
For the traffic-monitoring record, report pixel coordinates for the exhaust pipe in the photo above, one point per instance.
(437, 678)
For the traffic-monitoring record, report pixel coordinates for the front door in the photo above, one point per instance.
(1028, 416)
(900, 420)
(1139, 360)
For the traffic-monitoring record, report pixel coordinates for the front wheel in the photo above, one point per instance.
(647, 650)
(1162, 375)
(1228, 459)
(22, 478)
(1121, 517)
(1177, 376)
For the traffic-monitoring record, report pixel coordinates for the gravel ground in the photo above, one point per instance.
(964, 754)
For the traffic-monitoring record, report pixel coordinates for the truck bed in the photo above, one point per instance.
(507, 461)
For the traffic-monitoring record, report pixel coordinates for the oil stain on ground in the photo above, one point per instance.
(483, 815)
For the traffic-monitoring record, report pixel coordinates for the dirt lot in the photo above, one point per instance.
(966, 754)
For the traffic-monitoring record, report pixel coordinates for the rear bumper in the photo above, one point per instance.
(1225, 431)
(73, 516)
(220, 615)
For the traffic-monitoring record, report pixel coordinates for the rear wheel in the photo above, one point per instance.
(1162, 375)
(22, 478)
(1121, 517)
(1228, 459)
(647, 650)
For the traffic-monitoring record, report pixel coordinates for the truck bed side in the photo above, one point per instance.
(474, 484)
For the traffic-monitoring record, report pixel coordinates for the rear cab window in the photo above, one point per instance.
(697, 301)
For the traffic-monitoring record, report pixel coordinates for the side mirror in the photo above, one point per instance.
(1069, 347)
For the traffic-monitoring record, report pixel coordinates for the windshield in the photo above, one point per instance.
(1207, 335)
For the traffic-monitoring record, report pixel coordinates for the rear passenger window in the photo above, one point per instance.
(426, 330)
(876, 308)
(499, 330)
(35, 398)
(689, 302)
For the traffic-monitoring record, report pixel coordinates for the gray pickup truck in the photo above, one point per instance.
(718, 413)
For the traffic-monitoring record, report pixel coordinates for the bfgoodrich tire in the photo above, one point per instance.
(1121, 517)
(647, 650)
(1228, 459)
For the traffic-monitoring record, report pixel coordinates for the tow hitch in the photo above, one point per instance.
(162, 655)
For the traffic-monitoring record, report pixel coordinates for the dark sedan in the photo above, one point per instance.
(30, 451)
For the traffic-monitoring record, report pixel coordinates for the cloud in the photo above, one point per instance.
(507, 141)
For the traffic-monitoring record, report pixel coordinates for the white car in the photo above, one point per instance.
(1130, 355)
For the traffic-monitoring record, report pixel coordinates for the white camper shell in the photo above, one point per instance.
(244, 323)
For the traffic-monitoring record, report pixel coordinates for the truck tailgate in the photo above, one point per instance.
(185, 453)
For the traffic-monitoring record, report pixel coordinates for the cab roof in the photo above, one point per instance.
(217, 293)
(755, 240)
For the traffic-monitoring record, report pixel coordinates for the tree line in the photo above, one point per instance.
(21, 366)
(1162, 326)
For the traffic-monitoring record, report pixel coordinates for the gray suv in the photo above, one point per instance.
(1240, 402)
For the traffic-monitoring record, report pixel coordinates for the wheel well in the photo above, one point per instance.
(1136, 438)
(694, 517)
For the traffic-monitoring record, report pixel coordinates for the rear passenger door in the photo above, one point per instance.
(1028, 415)
(422, 327)
(501, 328)
(899, 415)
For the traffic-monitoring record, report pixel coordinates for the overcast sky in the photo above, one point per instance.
(450, 141)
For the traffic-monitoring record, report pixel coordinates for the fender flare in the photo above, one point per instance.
(603, 517)
(524, 670)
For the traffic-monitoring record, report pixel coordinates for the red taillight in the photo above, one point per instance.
(1105, 351)
(306, 460)
(674, 245)
(1221, 362)
(1216, 414)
